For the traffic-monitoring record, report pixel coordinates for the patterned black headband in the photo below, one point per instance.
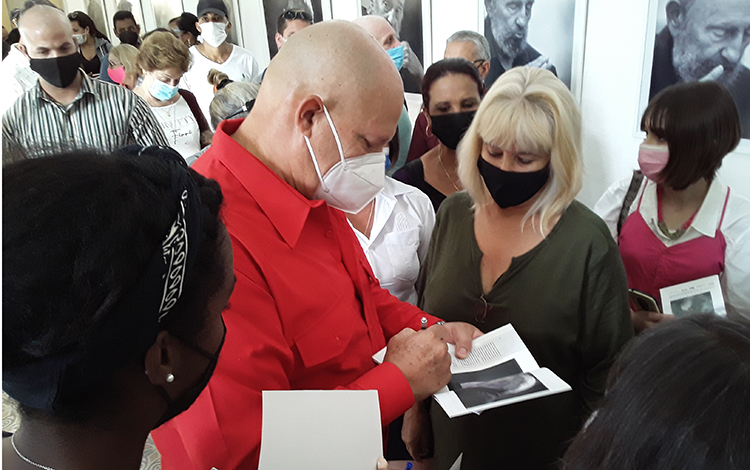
(133, 318)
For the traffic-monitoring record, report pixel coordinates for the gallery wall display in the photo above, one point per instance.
(699, 40)
(406, 17)
(538, 33)
(274, 8)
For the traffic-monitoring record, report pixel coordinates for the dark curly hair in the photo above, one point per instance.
(79, 227)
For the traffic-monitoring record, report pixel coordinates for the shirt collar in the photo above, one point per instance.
(706, 220)
(87, 88)
(284, 206)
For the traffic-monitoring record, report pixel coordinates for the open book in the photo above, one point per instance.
(499, 371)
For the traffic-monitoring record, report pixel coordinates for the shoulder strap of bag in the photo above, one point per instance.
(635, 185)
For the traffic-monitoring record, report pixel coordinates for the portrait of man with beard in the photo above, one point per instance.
(705, 40)
(506, 28)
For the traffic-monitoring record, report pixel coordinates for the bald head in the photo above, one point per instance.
(380, 29)
(334, 65)
(46, 32)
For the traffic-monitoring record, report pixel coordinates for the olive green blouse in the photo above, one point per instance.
(568, 300)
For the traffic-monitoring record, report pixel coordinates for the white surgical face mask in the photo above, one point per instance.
(81, 38)
(351, 183)
(214, 34)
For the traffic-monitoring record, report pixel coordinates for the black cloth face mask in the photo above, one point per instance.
(510, 188)
(175, 407)
(450, 128)
(57, 71)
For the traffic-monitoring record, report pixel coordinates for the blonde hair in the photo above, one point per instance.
(161, 50)
(216, 76)
(127, 55)
(530, 109)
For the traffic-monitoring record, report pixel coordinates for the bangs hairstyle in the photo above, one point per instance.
(527, 109)
(161, 50)
(701, 124)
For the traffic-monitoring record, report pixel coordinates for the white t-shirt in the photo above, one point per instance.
(240, 66)
(735, 228)
(180, 127)
(402, 225)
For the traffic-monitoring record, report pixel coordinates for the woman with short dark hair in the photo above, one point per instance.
(116, 269)
(677, 399)
(679, 223)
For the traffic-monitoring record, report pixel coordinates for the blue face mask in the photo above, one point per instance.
(397, 54)
(162, 91)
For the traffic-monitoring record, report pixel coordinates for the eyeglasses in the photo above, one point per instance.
(244, 109)
(290, 15)
(477, 65)
(481, 309)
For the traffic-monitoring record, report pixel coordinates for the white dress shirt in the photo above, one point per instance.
(403, 220)
(736, 230)
(16, 77)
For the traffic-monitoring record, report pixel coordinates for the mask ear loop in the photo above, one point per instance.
(336, 137)
(315, 163)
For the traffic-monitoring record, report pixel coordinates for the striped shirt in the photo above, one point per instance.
(102, 117)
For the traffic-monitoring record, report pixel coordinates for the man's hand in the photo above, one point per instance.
(643, 319)
(541, 62)
(417, 431)
(459, 334)
(423, 359)
(411, 62)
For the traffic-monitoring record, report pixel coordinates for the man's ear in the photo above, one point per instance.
(305, 115)
(198, 26)
(138, 29)
(484, 69)
(278, 38)
(22, 48)
(675, 15)
(161, 358)
(229, 25)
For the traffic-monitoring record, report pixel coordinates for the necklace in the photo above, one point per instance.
(440, 152)
(23, 457)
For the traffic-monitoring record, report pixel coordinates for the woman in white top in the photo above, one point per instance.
(679, 224)
(164, 59)
(394, 231)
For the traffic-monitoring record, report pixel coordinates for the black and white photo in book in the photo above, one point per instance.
(272, 9)
(406, 18)
(699, 303)
(506, 380)
(695, 40)
(539, 33)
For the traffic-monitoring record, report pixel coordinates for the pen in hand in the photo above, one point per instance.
(424, 323)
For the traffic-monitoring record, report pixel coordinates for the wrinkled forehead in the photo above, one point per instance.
(728, 12)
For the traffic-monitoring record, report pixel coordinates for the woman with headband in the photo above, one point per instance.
(116, 269)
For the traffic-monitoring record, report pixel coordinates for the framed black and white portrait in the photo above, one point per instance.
(696, 40)
(539, 33)
(406, 17)
(274, 8)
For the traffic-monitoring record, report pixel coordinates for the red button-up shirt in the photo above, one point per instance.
(306, 313)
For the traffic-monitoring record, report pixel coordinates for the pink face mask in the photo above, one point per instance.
(117, 74)
(652, 160)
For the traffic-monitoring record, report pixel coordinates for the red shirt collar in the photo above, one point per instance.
(284, 206)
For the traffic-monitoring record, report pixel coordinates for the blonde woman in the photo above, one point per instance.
(163, 60)
(515, 247)
(123, 66)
